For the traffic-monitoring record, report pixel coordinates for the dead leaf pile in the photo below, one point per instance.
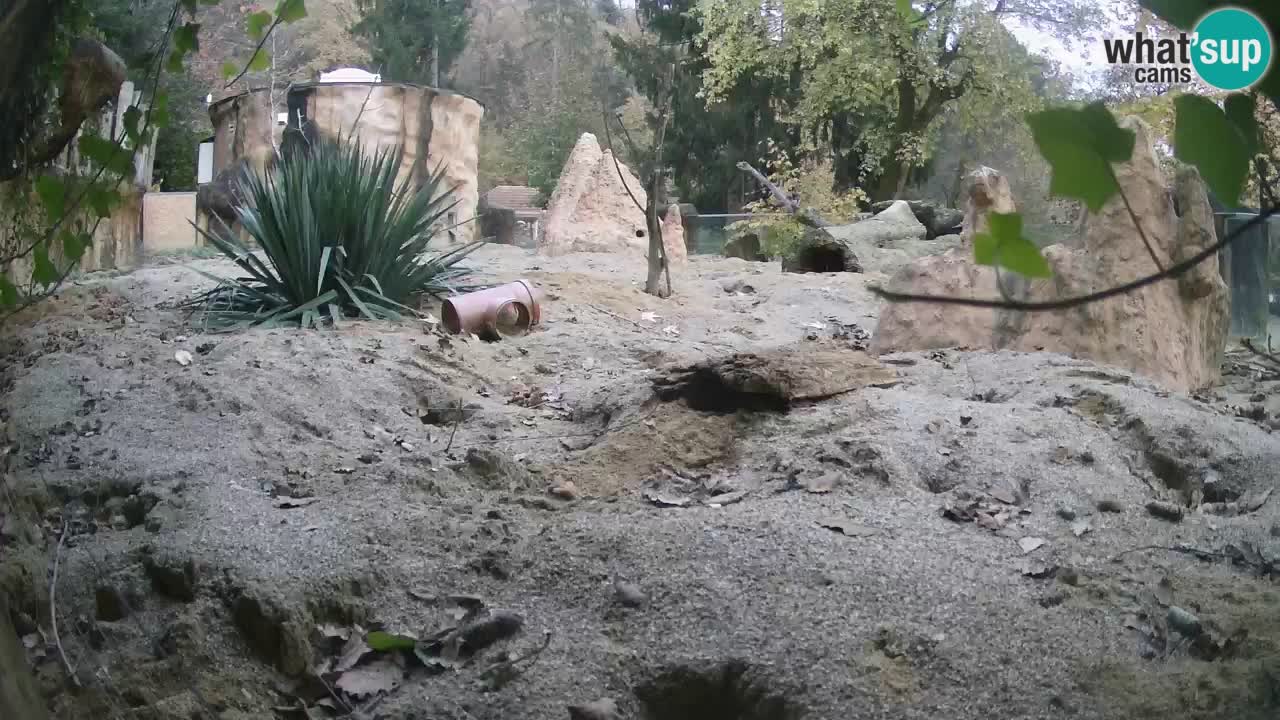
(990, 512)
(364, 665)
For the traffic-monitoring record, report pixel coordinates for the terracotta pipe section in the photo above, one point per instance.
(504, 311)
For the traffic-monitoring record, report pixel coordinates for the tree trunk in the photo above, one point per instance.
(657, 251)
(18, 695)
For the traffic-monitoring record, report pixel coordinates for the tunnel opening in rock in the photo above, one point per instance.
(821, 259)
(719, 691)
(706, 390)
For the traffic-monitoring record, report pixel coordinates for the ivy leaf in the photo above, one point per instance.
(102, 199)
(291, 10)
(1241, 111)
(53, 195)
(1003, 245)
(907, 12)
(1080, 146)
(261, 61)
(1203, 136)
(187, 38)
(107, 154)
(258, 23)
(379, 641)
(131, 118)
(74, 244)
(43, 272)
(8, 293)
(229, 70)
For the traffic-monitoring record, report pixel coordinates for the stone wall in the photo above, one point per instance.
(166, 222)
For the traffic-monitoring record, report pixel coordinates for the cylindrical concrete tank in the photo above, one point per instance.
(432, 127)
(242, 128)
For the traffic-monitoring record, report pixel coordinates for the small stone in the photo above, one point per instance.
(1165, 510)
(565, 490)
(602, 709)
(1184, 621)
(1066, 514)
(629, 594)
(1275, 530)
(1110, 505)
(494, 514)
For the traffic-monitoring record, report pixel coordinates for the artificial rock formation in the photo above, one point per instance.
(938, 220)
(592, 210)
(1173, 332)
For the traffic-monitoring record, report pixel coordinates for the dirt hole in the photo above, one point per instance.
(821, 259)
(720, 691)
(705, 390)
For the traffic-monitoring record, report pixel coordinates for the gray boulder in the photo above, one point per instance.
(894, 223)
(938, 220)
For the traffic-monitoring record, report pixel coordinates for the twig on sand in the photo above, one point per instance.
(1184, 549)
(457, 420)
(505, 671)
(53, 605)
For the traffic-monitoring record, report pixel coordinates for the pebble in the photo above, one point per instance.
(629, 594)
(1110, 505)
(1066, 514)
(565, 490)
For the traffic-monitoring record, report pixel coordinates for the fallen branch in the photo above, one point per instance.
(53, 605)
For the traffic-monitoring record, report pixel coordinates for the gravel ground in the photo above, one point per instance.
(963, 542)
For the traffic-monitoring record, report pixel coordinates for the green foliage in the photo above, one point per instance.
(778, 233)
(1206, 138)
(52, 192)
(380, 641)
(339, 236)
(1004, 245)
(403, 33)
(1081, 145)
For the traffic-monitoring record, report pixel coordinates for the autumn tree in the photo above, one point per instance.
(842, 57)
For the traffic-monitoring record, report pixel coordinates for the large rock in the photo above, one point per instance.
(938, 220)
(1172, 332)
(895, 222)
(593, 209)
(673, 237)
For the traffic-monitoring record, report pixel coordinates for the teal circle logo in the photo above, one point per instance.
(1232, 49)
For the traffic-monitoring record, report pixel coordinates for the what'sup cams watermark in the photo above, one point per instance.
(1229, 49)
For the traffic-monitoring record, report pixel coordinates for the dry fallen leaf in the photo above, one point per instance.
(183, 357)
(285, 502)
(379, 676)
(649, 317)
(1081, 527)
(355, 649)
(671, 330)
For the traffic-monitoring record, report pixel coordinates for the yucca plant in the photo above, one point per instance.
(339, 238)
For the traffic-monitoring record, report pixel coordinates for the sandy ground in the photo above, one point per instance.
(970, 540)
